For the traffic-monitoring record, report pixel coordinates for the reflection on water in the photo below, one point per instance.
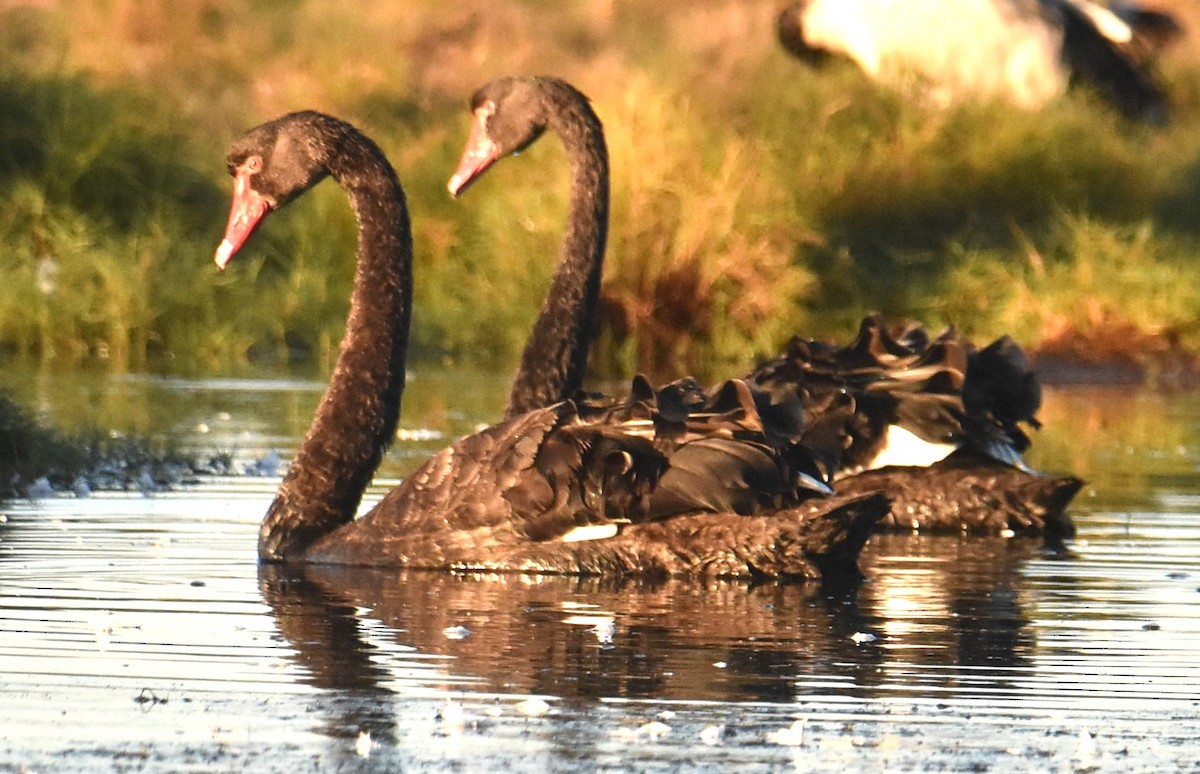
(931, 605)
(139, 633)
(251, 415)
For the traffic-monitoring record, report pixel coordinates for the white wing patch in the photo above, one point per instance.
(904, 447)
(590, 532)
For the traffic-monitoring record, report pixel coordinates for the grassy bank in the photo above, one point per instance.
(753, 198)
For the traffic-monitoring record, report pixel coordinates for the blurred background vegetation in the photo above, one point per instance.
(753, 197)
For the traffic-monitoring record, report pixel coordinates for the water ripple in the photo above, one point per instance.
(140, 633)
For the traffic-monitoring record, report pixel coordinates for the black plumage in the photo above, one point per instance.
(836, 401)
(943, 390)
(515, 496)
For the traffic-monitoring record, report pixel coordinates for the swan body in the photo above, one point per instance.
(616, 488)
(963, 410)
(677, 481)
(1028, 51)
(940, 395)
(943, 396)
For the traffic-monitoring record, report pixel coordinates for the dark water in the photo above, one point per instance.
(138, 633)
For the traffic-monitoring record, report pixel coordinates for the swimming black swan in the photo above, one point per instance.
(1027, 50)
(855, 397)
(676, 482)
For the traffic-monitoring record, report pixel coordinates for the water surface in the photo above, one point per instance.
(138, 633)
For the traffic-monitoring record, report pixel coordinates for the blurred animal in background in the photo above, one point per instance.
(1028, 51)
(1150, 31)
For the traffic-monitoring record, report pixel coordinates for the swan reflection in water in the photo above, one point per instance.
(937, 614)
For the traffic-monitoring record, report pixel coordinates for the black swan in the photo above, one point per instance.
(675, 482)
(1029, 51)
(854, 397)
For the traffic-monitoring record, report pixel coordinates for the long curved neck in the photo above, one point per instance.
(357, 416)
(555, 358)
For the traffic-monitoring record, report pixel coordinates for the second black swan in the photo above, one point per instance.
(964, 406)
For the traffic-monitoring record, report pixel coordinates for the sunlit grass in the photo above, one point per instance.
(753, 198)
(699, 272)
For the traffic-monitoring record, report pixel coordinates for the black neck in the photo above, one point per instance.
(555, 358)
(357, 416)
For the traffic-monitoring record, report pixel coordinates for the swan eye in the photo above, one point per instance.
(253, 164)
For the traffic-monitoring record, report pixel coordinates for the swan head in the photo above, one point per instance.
(509, 115)
(272, 164)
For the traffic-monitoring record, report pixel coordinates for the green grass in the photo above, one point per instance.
(752, 197)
